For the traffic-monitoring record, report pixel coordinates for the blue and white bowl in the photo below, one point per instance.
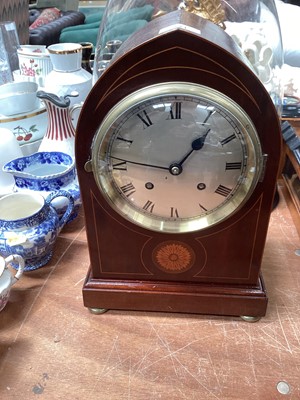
(47, 172)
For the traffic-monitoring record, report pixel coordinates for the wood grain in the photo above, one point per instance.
(53, 348)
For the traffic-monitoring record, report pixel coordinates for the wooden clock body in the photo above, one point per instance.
(223, 274)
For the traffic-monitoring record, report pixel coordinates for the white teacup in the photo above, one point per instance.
(7, 279)
(18, 98)
(66, 57)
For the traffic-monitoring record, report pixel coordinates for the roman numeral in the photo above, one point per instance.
(174, 213)
(210, 113)
(177, 114)
(223, 190)
(148, 206)
(228, 139)
(121, 166)
(202, 208)
(145, 119)
(233, 165)
(128, 189)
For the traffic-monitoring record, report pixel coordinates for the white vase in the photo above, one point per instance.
(67, 75)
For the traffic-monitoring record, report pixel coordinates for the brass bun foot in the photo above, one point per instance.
(98, 310)
(250, 319)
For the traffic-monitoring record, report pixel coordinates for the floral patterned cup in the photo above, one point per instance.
(35, 63)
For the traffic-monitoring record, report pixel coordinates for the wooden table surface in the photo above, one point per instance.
(52, 347)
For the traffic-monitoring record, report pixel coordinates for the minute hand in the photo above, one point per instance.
(140, 163)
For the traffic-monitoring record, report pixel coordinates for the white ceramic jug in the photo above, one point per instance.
(68, 75)
(60, 133)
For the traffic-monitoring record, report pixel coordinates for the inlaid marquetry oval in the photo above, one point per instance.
(173, 256)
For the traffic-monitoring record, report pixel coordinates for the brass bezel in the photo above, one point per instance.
(151, 222)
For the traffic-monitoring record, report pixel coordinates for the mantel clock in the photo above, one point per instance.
(177, 149)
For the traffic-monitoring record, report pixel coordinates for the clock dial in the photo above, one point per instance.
(176, 157)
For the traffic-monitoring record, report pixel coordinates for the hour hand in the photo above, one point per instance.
(198, 143)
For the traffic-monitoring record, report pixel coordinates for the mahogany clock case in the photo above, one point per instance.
(223, 276)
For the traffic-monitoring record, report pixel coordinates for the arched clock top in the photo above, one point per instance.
(181, 46)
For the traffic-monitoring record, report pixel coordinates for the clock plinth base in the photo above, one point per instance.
(196, 298)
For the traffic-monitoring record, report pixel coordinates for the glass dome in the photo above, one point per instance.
(252, 24)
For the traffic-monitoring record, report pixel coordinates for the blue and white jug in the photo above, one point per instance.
(29, 226)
